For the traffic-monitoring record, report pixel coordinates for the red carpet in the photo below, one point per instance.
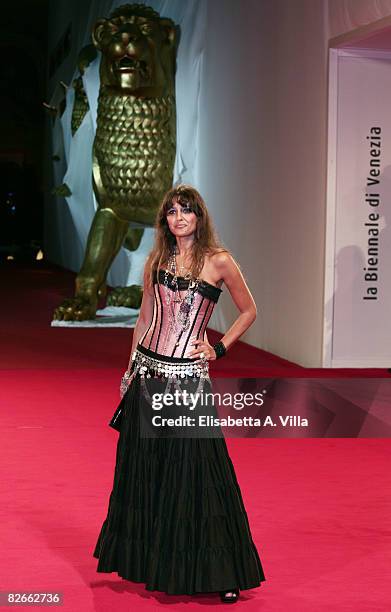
(319, 509)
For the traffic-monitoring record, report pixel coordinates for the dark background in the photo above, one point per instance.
(23, 79)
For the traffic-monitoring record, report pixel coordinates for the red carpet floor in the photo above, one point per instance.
(319, 510)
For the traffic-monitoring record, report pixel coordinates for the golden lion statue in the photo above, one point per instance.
(133, 150)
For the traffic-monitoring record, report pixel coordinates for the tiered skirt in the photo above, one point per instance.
(176, 519)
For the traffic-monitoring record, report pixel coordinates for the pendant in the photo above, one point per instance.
(184, 308)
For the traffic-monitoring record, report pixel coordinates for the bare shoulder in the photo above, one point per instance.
(224, 264)
(228, 271)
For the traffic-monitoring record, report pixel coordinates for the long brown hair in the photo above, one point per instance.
(206, 241)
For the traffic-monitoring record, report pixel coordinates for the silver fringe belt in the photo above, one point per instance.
(149, 367)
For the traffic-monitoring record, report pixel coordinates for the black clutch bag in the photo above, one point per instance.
(116, 419)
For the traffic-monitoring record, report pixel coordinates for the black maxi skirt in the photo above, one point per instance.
(176, 519)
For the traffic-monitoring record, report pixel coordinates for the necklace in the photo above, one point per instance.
(180, 322)
(182, 269)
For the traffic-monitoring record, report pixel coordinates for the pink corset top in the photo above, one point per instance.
(158, 337)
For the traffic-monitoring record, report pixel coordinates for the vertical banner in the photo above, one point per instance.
(360, 249)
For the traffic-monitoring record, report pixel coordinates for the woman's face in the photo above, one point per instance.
(181, 220)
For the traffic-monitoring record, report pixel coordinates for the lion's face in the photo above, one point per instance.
(137, 54)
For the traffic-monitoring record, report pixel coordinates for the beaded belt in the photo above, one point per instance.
(149, 364)
(169, 367)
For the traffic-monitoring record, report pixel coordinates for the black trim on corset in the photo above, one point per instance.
(192, 326)
(161, 318)
(154, 318)
(161, 357)
(204, 288)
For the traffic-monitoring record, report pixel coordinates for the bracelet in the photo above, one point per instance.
(125, 382)
(126, 375)
(219, 349)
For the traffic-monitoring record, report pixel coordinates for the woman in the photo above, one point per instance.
(176, 519)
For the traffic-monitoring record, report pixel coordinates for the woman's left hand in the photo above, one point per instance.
(203, 350)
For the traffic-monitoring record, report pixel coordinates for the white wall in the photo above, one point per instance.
(263, 135)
